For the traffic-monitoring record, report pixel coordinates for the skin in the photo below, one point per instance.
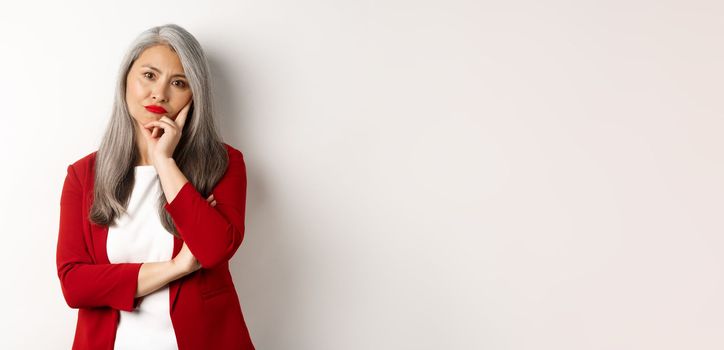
(146, 86)
(157, 137)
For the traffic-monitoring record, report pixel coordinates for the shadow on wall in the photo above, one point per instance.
(261, 268)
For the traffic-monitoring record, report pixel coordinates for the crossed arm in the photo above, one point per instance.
(152, 276)
(212, 232)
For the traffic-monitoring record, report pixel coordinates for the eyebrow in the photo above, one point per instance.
(157, 70)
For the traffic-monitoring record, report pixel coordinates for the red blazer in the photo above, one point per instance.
(204, 306)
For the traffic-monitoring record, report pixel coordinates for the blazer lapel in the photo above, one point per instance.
(99, 238)
(175, 285)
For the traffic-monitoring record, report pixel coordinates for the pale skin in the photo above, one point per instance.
(157, 78)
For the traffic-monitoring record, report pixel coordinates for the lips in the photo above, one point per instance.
(155, 109)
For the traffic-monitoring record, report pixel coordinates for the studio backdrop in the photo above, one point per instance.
(508, 175)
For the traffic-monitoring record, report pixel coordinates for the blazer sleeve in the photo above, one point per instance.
(84, 283)
(213, 234)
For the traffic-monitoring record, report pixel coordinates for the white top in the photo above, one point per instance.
(138, 236)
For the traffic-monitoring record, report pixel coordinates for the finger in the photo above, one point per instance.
(162, 125)
(151, 124)
(171, 125)
(168, 120)
(152, 130)
(146, 133)
(164, 121)
(213, 204)
(183, 114)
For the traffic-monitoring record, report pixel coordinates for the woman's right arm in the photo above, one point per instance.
(86, 284)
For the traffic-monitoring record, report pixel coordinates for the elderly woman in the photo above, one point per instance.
(149, 221)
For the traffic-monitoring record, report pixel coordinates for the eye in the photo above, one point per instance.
(181, 83)
(146, 74)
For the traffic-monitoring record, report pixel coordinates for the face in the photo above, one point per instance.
(156, 85)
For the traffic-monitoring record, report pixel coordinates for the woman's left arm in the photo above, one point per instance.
(212, 234)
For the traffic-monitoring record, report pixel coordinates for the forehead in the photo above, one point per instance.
(161, 57)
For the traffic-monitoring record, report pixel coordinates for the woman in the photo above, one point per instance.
(149, 221)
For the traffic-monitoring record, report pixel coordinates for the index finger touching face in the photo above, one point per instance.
(183, 114)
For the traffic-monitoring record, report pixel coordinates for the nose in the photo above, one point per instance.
(159, 94)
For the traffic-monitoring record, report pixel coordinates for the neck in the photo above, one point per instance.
(141, 144)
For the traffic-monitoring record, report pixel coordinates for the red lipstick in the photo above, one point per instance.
(155, 109)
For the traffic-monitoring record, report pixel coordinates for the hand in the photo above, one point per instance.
(163, 135)
(185, 260)
(211, 200)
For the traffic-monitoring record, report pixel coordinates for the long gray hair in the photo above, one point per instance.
(200, 153)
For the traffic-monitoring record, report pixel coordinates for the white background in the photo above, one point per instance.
(422, 174)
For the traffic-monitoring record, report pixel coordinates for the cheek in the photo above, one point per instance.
(182, 100)
(135, 89)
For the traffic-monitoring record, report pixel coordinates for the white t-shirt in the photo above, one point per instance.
(138, 236)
